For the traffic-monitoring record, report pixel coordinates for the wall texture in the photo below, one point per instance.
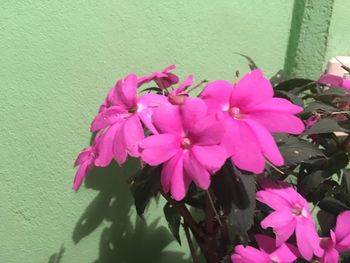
(58, 59)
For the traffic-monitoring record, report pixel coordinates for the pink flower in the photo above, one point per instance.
(339, 241)
(250, 114)
(121, 121)
(334, 81)
(85, 161)
(291, 214)
(187, 145)
(268, 252)
(163, 79)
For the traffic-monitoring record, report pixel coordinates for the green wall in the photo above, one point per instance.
(58, 60)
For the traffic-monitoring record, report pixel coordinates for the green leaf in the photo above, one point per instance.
(346, 180)
(312, 175)
(336, 91)
(318, 106)
(326, 125)
(295, 85)
(326, 221)
(332, 205)
(241, 216)
(173, 219)
(277, 78)
(295, 151)
(144, 185)
(252, 65)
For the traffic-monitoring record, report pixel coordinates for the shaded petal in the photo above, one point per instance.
(216, 95)
(308, 241)
(157, 149)
(210, 157)
(342, 231)
(133, 134)
(105, 146)
(193, 110)
(276, 105)
(196, 171)
(252, 89)
(266, 243)
(108, 117)
(278, 122)
(266, 142)
(331, 80)
(166, 119)
(242, 145)
(209, 130)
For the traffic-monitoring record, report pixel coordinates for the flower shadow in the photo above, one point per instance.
(123, 240)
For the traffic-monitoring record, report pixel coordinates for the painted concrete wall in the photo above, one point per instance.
(58, 59)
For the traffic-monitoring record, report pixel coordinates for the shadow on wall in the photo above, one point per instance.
(122, 241)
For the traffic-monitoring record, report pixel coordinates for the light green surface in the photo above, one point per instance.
(58, 59)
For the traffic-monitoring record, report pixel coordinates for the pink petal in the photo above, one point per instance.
(308, 241)
(252, 89)
(331, 80)
(80, 174)
(105, 146)
(330, 256)
(179, 181)
(273, 200)
(83, 156)
(133, 134)
(126, 90)
(157, 149)
(183, 86)
(119, 149)
(276, 105)
(196, 171)
(280, 220)
(283, 233)
(283, 254)
(193, 110)
(210, 157)
(168, 168)
(108, 117)
(249, 254)
(169, 68)
(217, 95)
(342, 231)
(166, 119)
(241, 143)
(346, 83)
(278, 122)
(266, 142)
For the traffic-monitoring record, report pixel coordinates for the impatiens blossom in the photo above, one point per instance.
(85, 161)
(178, 95)
(291, 214)
(250, 114)
(334, 81)
(268, 252)
(163, 79)
(339, 241)
(121, 121)
(187, 145)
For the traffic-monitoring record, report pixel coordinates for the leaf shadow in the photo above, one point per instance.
(122, 240)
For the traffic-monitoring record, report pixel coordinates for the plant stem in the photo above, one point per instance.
(217, 216)
(190, 244)
(183, 211)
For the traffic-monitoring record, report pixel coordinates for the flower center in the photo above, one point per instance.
(235, 113)
(297, 210)
(186, 143)
(133, 109)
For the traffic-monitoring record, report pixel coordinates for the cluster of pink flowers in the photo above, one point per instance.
(292, 215)
(191, 136)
